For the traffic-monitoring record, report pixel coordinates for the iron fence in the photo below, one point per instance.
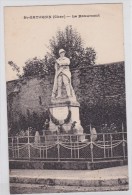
(69, 147)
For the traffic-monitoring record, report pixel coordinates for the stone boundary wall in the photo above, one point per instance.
(100, 91)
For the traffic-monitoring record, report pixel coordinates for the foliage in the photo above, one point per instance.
(34, 67)
(32, 121)
(70, 40)
(15, 68)
(109, 129)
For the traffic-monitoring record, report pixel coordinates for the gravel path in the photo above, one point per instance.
(108, 173)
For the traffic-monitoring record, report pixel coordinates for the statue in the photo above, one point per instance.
(93, 134)
(37, 138)
(64, 107)
(62, 76)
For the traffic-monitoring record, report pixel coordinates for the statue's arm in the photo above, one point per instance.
(55, 66)
(66, 61)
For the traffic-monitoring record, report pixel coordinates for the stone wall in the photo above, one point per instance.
(100, 91)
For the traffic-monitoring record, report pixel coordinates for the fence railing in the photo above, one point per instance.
(106, 146)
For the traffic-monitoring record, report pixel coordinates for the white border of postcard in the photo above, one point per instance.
(4, 166)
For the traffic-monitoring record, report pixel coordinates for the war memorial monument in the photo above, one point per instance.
(64, 107)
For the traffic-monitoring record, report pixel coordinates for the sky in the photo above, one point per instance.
(29, 38)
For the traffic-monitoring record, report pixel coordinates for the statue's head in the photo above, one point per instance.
(62, 52)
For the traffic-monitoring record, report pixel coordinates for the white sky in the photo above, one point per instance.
(27, 38)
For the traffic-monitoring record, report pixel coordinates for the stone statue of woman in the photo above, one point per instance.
(62, 76)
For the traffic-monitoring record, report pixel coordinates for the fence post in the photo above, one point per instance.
(28, 137)
(18, 146)
(111, 144)
(58, 147)
(91, 147)
(40, 153)
(123, 143)
(46, 152)
(71, 151)
(29, 154)
(71, 145)
(12, 148)
(15, 148)
(78, 144)
(70, 139)
(12, 141)
(45, 140)
(104, 145)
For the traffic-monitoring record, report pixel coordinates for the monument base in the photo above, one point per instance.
(64, 117)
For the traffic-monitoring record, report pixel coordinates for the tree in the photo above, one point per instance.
(34, 67)
(15, 68)
(71, 41)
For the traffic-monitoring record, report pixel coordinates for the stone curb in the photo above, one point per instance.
(65, 165)
(70, 182)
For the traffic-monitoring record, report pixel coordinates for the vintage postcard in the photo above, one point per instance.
(66, 98)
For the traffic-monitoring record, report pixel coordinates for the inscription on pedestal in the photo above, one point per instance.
(60, 112)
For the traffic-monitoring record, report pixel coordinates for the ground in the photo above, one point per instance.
(30, 189)
(43, 181)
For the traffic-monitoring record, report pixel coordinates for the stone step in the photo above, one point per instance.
(70, 182)
(17, 188)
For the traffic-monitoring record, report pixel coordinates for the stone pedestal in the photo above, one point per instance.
(60, 109)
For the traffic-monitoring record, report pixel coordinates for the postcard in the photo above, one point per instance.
(66, 98)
